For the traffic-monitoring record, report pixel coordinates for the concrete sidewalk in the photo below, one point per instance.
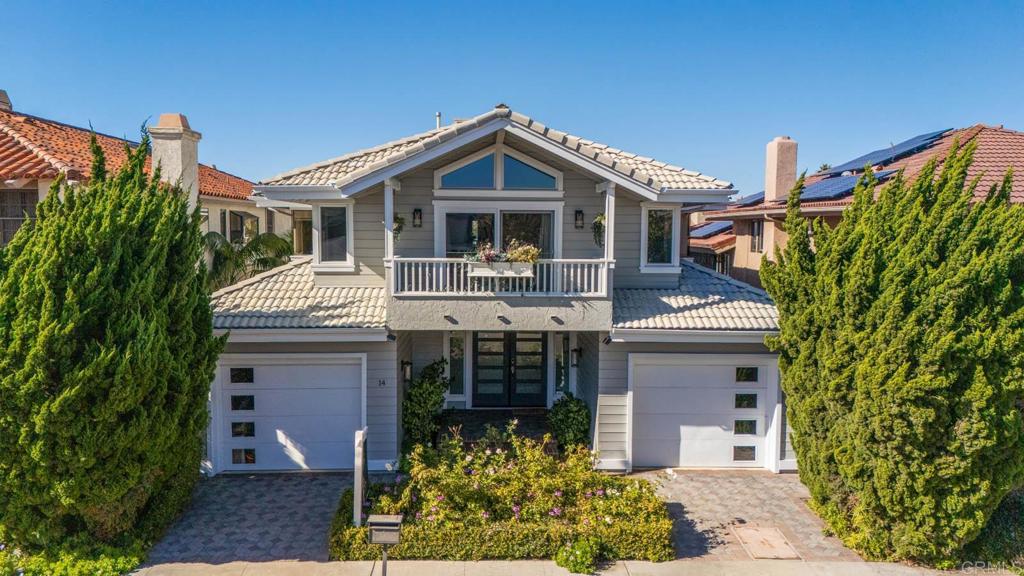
(538, 568)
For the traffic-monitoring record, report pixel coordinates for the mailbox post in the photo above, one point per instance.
(384, 530)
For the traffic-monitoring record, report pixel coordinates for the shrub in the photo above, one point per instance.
(421, 408)
(106, 356)
(900, 351)
(73, 560)
(519, 503)
(570, 421)
(579, 557)
(1001, 543)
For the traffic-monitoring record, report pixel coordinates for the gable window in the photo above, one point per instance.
(478, 175)
(498, 167)
(16, 206)
(519, 175)
(333, 237)
(659, 238)
(757, 236)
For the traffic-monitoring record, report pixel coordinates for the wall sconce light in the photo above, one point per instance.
(574, 357)
(579, 219)
(406, 370)
(417, 218)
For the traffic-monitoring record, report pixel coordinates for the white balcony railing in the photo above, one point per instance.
(451, 276)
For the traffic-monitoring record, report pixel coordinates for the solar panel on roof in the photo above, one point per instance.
(837, 187)
(750, 200)
(885, 155)
(709, 229)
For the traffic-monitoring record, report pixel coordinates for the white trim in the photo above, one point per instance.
(446, 351)
(349, 264)
(658, 335)
(771, 386)
(550, 376)
(304, 334)
(671, 267)
(265, 202)
(499, 150)
(609, 220)
(390, 185)
(226, 361)
(496, 207)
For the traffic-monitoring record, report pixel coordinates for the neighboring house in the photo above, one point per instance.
(668, 355)
(33, 151)
(712, 245)
(758, 219)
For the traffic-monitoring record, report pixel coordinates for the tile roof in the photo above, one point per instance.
(286, 297)
(997, 150)
(33, 147)
(704, 300)
(647, 171)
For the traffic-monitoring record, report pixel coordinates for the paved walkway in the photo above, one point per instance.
(542, 568)
(707, 504)
(254, 518)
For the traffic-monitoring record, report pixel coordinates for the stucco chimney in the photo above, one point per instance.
(779, 168)
(176, 151)
(5, 101)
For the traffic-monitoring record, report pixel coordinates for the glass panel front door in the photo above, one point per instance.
(509, 369)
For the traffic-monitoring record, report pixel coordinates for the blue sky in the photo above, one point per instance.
(705, 85)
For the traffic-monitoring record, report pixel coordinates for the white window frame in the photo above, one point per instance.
(347, 265)
(499, 150)
(467, 365)
(443, 207)
(671, 267)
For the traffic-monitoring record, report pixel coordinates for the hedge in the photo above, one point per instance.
(507, 540)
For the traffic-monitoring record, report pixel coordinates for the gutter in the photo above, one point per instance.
(304, 334)
(626, 335)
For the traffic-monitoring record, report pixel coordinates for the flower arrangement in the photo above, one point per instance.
(517, 252)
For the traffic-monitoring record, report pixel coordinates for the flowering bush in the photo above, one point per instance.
(522, 252)
(579, 557)
(506, 503)
(485, 253)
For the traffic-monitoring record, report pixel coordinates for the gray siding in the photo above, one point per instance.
(612, 385)
(587, 374)
(381, 384)
(580, 194)
(627, 248)
(368, 229)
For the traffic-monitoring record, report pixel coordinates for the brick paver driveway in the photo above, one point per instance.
(704, 504)
(255, 518)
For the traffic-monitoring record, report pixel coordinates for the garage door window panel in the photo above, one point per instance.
(744, 427)
(243, 456)
(746, 400)
(242, 375)
(746, 374)
(245, 402)
(243, 429)
(744, 453)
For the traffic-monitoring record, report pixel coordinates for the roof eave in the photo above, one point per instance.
(304, 334)
(626, 335)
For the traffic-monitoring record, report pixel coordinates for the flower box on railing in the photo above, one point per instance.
(500, 270)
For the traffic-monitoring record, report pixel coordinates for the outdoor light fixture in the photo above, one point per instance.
(385, 530)
(417, 218)
(574, 357)
(406, 370)
(579, 219)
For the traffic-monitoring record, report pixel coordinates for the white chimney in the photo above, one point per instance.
(176, 151)
(5, 101)
(779, 168)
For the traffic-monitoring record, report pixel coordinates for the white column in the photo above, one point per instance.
(609, 220)
(390, 185)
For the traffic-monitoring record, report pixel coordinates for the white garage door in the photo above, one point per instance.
(288, 414)
(700, 410)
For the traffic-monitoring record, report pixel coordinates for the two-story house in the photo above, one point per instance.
(668, 355)
(757, 220)
(34, 151)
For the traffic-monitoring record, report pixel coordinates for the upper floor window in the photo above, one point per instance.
(659, 240)
(333, 242)
(478, 174)
(16, 206)
(498, 167)
(757, 235)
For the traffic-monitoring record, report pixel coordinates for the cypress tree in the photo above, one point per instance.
(902, 357)
(106, 355)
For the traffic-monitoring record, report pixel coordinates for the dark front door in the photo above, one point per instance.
(509, 369)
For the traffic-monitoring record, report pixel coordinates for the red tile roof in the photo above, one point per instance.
(997, 150)
(33, 147)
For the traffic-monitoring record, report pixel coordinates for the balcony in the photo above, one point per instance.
(456, 277)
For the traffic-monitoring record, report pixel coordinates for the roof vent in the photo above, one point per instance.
(5, 101)
(502, 106)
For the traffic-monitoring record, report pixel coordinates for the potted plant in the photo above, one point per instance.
(517, 262)
(597, 226)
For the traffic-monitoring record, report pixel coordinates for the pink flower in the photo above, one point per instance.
(440, 497)
(558, 493)
(485, 514)
(556, 511)
(419, 515)
(600, 491)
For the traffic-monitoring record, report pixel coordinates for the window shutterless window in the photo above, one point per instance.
(242, 226)
(16, 207)
(757, 235)
(333, 233)
(659, 239)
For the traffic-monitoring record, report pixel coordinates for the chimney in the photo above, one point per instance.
(5, 101)
(779, 168)
(176, 151)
